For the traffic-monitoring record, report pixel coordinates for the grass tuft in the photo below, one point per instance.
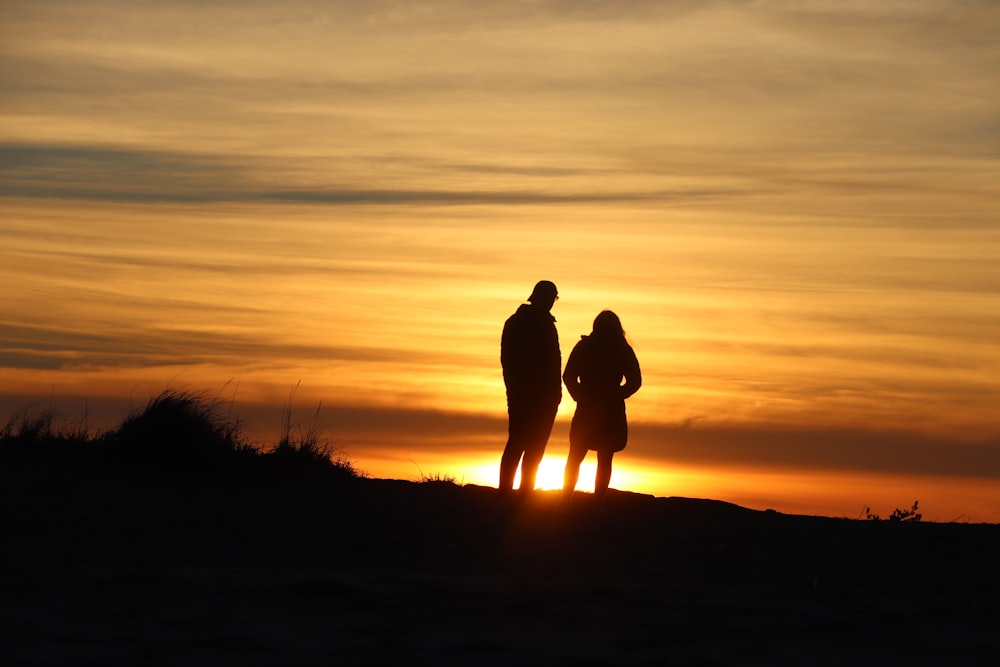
(306, 451)
(178, 432)
(439, 478)
(436, 478)
(28, 434)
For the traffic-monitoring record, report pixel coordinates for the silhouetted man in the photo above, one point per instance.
(532, 366)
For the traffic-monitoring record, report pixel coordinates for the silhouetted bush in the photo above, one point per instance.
(906, 515)
(911, 515)
(176, 432)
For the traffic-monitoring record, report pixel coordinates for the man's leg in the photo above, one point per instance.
(540, 430)
(529, 468)
(518, 424)
(508, 466)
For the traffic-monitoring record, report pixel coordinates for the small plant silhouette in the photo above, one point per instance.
(438, 477)
(911, 515)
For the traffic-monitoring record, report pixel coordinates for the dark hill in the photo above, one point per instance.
(125, 566)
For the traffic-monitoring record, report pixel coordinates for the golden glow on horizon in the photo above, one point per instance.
(809, 492)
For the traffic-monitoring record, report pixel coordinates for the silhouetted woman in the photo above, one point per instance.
(594, 377)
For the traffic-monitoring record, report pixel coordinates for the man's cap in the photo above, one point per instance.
(544, 289)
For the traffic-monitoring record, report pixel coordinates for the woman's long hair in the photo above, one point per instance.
(608, 328)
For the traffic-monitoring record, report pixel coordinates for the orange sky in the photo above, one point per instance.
(794, 208)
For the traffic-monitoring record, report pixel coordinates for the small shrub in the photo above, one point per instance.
(438, 478)
(909, 515)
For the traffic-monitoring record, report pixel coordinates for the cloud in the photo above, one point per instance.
(821, 448)
(347, 101)
(113, 174)
(69, 347)
(126, 175)
(481, 197)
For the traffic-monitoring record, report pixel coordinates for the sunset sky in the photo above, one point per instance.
(794, 207)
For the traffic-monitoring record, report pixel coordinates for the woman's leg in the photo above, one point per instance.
(572, 473)
(603, 479)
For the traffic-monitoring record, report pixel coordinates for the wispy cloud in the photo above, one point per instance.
(111, 174)
(858, 449)
(73, 347)
(116, 174)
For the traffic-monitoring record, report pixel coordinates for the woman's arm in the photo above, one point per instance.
(633, 376)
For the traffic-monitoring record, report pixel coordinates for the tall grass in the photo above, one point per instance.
(27, 433)
(305, 450)
(178, 432)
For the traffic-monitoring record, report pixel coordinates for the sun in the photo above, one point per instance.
(550, 475)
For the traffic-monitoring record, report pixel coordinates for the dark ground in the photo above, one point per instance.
(128, 568)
